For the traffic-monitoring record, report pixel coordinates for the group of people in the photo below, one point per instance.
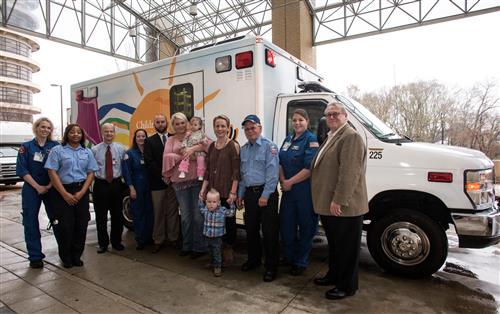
(180, 170)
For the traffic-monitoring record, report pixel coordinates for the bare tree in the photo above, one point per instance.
(428, 111)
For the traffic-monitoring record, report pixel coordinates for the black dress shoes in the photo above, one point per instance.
(297, 270)
(78, 263)
(269, 276)
(249, 266)
(36, 264)
(184, 253)
(140, 246)
(324, 281)
(102, 250)
(118, 247)
(336, 294)
(67, 265)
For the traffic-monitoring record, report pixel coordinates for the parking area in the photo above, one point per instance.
(138, 281)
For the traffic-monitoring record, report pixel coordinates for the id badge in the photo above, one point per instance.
(38, 157)
(142, 161)
(285, 146)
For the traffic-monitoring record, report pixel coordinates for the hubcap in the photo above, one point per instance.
(126, 209)
(405, 243)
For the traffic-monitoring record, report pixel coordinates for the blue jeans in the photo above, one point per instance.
(214, 248)
(191, 219)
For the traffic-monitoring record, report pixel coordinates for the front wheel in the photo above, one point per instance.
(407, 243)
(128, 218)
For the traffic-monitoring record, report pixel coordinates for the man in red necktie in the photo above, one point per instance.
(108, 188)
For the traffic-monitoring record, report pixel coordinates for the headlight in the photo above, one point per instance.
(479, 185)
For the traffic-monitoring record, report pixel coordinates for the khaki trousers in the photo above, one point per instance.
(166, 215)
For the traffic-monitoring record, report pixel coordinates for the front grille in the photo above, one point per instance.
(8, 171)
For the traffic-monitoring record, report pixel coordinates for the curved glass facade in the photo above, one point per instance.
(14, 46)
(16, 71)
(15, 95)
(17, 64)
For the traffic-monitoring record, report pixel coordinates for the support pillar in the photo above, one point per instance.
(293, 29)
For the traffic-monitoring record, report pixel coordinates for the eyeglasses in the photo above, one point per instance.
(333, 114)
(250, 128)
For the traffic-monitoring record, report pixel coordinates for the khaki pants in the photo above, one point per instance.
(166, 215)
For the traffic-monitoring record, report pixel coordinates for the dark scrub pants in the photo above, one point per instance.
(70, 224)
(31, 202)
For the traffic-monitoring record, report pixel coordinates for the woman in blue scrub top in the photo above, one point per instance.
(30, 160)
(298, 220)
(71, 169)
(136, 177)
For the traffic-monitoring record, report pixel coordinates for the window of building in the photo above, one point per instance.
(14, 46)
(14, 95)
(15, 71)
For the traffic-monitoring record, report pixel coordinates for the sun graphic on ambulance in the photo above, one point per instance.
(127, 119)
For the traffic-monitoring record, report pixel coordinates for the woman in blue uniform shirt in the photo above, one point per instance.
(30, 160)
(135, 175)
(71, 169)
(296, 210)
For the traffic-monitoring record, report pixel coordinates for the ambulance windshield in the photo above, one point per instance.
(370, 121)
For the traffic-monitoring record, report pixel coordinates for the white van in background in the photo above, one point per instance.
(416, 190)
(12, 135)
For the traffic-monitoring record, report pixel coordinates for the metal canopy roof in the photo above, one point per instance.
(133, 29)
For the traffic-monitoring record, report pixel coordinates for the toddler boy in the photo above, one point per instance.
(214, 227)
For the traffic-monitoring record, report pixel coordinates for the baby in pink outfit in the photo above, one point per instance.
(196, 137)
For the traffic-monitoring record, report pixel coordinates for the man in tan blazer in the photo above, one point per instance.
(340, 198)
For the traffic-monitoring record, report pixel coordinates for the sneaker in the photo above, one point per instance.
(36, 264)
(217, 272)
(182, 175)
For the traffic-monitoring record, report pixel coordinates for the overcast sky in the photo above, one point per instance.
(457, 53)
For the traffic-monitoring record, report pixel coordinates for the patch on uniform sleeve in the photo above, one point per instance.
(313, 144)
(22, 150)
(274, 150)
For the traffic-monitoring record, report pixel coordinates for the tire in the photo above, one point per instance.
(128, 218)
(407, 243)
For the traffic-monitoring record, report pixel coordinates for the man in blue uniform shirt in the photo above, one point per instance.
(257, 190)
(108, 189)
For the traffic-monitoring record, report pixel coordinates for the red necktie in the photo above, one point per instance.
(109, 165)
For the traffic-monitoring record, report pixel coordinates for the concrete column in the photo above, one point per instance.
(166, 48)
(293, 29)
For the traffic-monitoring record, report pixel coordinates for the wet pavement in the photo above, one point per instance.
(140, 282)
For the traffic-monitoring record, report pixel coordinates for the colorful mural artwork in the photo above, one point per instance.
(128, 118)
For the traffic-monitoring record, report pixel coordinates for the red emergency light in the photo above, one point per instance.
(244, 59)
(270, 58)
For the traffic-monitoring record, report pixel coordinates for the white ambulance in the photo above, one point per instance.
(416, 190)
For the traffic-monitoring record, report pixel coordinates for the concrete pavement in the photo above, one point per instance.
(140, 282)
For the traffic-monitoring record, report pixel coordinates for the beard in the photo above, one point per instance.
(160, 129)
